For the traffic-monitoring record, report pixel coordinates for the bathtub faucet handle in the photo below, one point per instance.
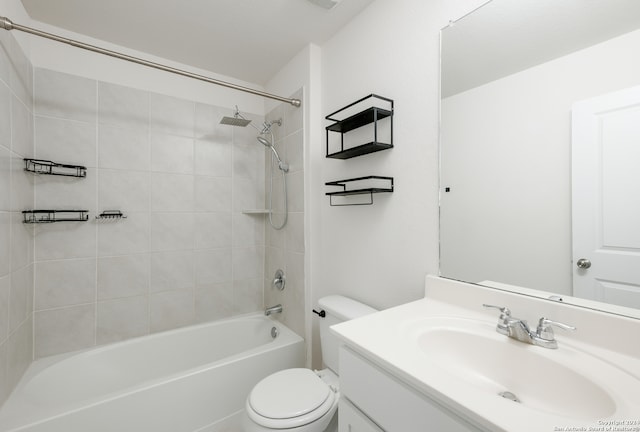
(273, 309)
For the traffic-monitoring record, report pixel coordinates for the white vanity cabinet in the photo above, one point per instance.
(374, 401)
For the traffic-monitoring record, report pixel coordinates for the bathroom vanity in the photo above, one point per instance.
(439, 364)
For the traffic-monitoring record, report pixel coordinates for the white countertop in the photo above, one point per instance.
(388, 339)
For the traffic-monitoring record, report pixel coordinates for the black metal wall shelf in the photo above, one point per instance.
(369, 115)
(358, 189)
(39, 166)
(50, 216)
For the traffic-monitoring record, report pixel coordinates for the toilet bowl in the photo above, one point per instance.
(299, 400)
(302, 400)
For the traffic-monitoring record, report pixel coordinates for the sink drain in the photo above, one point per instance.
(509, 395)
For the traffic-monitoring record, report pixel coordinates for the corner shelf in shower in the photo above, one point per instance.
(371, 115)
(51, 216)
(40, 166)
(374, 184)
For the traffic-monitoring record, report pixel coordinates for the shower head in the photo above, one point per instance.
(262, 140)
(236, 120)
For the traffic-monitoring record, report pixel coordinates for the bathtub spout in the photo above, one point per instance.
(273, 309)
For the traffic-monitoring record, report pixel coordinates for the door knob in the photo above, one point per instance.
(583, 263)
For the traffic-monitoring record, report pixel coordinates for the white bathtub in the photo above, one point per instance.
(189, 379)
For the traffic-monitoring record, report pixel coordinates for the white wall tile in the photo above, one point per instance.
(5, 115)
(171, 309)
(171, 153)
(212, 194)
(213, 158)
(293, 116)
(213, 301)
(122, 319)
(5, 287)
(5, 65)
(65, 283)
(65, 240)
(213, 230)
(66, 96)
(20, 352)
(247, 194)
(22, 185)
(172, 231)
(123, 106)
(61, 192)
(121, 148)
(124, 236)
(172, 271)
(21, 129)
(248, 160)
(172, 192)
(248, 262)
(123, 190)
(213, 266)
(294, 151)
(295, 191)
(5, 243)
(5, 386)
(63, 330)
(20, 295)
(22, 235)
(294, 237)
(171, 115)
(274, 260)
(248, 296)
(123, 276)
(66, 141)
(21, 74)
(5, 179)
(248, 230)
(207, 125)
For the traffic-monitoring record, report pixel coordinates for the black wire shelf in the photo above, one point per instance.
(52, 216)
(40, 166)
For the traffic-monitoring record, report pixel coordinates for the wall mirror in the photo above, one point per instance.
(540, 149)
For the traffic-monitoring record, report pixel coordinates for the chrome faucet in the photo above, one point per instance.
(518, 329)
(273, 309)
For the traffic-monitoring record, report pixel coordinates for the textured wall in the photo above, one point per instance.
(16, 194)
(185, 254)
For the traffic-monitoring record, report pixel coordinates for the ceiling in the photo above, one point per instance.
(249, 40)
(505, 36)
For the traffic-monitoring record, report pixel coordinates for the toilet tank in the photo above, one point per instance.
(338, 309)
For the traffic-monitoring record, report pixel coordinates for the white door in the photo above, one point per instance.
(606, 198)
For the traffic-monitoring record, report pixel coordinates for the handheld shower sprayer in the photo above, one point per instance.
(263, 138)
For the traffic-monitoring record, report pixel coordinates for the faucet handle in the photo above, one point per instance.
(503, 320)
(504, 311)
(545, 329)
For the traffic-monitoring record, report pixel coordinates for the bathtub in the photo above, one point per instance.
(190, 379)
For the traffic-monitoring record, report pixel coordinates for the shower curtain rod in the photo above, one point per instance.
(7, 24)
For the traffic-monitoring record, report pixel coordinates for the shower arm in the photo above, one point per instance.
(7, 24)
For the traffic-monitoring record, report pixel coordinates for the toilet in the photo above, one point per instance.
(302, 400)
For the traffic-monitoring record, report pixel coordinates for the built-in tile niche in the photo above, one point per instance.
(184, 254)
(285, 248)
(16, 194)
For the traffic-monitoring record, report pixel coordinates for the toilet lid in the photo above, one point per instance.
(290, 393)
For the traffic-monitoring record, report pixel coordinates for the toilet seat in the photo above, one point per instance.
(290, 398)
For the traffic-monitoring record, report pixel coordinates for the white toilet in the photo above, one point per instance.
(302, 400)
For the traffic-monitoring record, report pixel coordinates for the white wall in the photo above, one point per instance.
(509, 167)
(380, 254)
(303, 72)
(56, 56)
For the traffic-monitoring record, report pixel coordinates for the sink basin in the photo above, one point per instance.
(473, 354)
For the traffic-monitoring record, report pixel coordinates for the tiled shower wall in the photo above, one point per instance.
(16, 194)
(285, 248)
(185, 253)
